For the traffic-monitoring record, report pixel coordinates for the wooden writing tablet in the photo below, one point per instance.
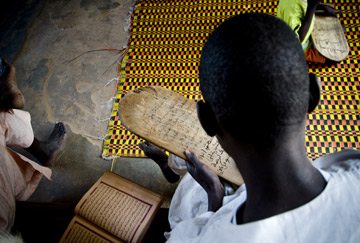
(329, 38)
(169, 120)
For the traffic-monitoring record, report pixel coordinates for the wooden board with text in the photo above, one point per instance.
(329, 38)
(115, 209)
(169, 120)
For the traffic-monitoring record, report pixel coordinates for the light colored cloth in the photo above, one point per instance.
(6, 237)
(333, 216)
(293, 12)
(177, 164)
(19, 176)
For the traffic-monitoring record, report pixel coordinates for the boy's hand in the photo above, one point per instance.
(208, 179)
(329, 10)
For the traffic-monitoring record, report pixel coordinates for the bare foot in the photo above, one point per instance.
(45, 151)
(159, 156)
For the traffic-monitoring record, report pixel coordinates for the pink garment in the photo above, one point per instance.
(19, 176)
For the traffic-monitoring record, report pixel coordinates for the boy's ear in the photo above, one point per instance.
(207, 118)
(315, 91)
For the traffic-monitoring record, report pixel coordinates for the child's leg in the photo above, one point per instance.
(313, 55)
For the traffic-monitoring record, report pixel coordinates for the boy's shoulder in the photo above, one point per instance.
(345, 160)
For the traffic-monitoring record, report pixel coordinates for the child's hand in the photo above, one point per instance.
(330, 10)
(208, 179)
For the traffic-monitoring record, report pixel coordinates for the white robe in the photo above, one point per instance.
(333, 216)
(19, 176)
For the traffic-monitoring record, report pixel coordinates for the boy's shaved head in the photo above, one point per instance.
(253, 74)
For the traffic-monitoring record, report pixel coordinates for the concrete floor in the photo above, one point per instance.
(40, 38)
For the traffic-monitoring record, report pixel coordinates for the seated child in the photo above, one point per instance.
(19, 175)
(300, 16)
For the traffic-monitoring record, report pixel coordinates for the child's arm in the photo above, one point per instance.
(306, 23)
(328, 9)
(208, 179)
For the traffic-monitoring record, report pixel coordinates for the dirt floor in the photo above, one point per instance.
(51, 44)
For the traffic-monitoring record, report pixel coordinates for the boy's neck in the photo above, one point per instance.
(278, 180)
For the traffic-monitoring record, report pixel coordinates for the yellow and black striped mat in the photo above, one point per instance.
(166, 38)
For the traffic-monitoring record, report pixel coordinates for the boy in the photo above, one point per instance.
(257, 92)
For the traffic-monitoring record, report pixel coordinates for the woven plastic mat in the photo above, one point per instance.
(164, 48)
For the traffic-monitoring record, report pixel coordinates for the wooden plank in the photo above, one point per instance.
(329, 39)
(169, 120)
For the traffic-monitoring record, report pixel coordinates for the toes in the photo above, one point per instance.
(62, 129)
(58, 131)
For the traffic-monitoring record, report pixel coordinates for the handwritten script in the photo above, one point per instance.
(169, 120)
(329, 39)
